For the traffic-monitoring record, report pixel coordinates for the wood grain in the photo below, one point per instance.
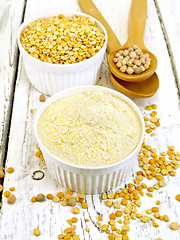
(10, 18)
(19, 220)
(170, 22)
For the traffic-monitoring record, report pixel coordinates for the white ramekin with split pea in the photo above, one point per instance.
(50, 78)
(90, 137)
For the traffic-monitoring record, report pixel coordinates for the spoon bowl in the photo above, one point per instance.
(143, 89)
(133, 77)
(137, 20)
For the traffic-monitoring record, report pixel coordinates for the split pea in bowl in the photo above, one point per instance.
(90, 137)
(62, 50)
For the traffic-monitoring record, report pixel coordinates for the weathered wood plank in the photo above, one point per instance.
(19, 220)
(10, 17)
(168, 11)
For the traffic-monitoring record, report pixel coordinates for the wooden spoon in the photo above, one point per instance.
(143, 89)
(140, 89)
(137, 19)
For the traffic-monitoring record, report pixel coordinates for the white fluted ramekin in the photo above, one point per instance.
(51, 78)
(89, 180)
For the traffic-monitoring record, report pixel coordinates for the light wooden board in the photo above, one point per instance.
(19, 220)
(171, 21)
(10, 18)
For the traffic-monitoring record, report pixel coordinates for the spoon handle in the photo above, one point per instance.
(89, 7)
(137, 20)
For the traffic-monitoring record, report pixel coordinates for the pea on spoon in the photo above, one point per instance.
(142, 89)
(137, 21)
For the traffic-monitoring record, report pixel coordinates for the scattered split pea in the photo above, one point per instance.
(174, 226)
(10, 170)
(36, 232)
(178, 197)
(42, 98)
(76, 210)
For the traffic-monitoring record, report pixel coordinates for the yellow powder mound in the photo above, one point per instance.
(91, 129)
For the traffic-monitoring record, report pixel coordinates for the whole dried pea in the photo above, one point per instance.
(1, 174)
(72, 202)
(11, 199)
(142, 60)
(142, 68)
(123, 69)
(117, 54)
(138, 51)
(130, 70)
(124, 62)
(132, 55)
(130, 62)
(134, 58)
(119, 64)
(138, 70)
(130, 49)
(146, 66)
(137, 63)
(126, 52)
(40, 197)
(115, 60)
(42, 98)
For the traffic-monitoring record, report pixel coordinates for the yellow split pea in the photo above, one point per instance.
(36, 232)
(76, 210)
(174, 226)
(10, 170)
(178, 197)
(62, 40)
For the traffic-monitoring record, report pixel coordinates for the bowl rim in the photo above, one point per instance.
(83, 89)
(60, 66)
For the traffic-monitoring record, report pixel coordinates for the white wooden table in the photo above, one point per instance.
(17, 143)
